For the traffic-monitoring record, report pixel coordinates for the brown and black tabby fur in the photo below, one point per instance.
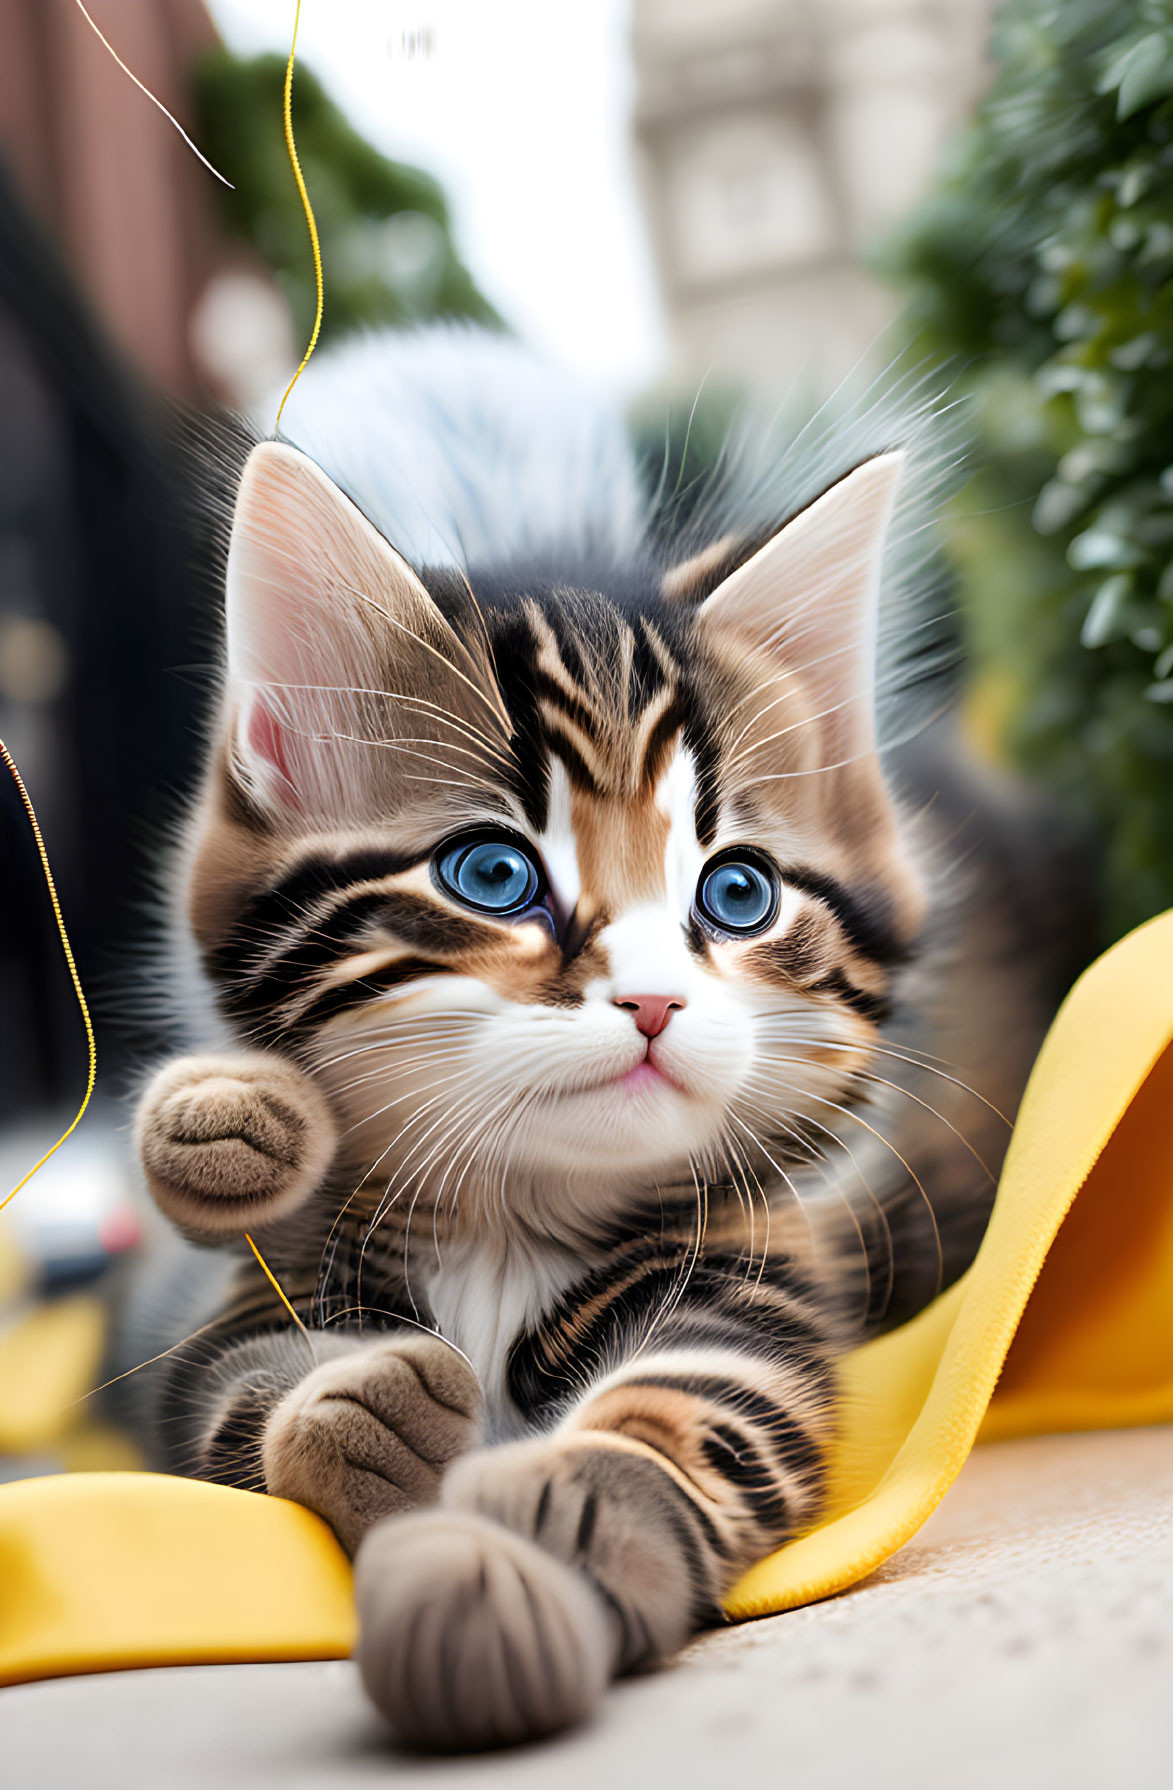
(574, 1294)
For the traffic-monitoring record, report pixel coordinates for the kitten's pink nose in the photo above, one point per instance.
(651, 1012)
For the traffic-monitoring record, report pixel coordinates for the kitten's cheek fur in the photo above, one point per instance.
(470, 1636)
(230, 1142)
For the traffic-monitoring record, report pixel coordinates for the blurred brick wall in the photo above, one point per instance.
(128, 204)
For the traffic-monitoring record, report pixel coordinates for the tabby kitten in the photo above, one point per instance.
(598, 1021)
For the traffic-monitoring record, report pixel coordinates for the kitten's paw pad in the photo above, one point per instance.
(372, 1432)
(230, 1144)
(470, 1636)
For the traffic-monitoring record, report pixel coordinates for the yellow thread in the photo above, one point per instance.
(7, 756)
(277, 1288)
(155, 102)
(313, 229)
(149, 1362)
(309, 216)
(73, 975)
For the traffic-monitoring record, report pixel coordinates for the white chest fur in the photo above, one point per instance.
(483, 1294)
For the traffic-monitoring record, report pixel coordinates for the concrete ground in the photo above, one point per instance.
(1023, 1639)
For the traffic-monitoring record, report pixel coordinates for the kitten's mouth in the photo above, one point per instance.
(646, 1076)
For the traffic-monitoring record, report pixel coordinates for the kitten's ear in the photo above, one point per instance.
(333, 643)
(809, 598)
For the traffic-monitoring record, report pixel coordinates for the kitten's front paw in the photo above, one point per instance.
(472, 1637)
(372, 1431)
(229, 1143)
(611, 1512)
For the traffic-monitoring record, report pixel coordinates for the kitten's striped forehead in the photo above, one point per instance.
(611, 707)
(610, 701)
(604, 855)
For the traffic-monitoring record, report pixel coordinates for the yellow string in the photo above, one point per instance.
(309, 217)
(277, 1287)
(7, 756)
(291, 146)
(73, 975)
(92, 1073)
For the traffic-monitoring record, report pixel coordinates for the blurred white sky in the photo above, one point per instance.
(521, 109)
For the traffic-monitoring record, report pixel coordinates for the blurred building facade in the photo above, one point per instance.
(130, 210)
(108, 243)
(779, 139)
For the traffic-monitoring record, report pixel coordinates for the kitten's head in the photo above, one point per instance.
(561, 890)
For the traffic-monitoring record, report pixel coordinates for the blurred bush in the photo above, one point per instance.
(384, 227)
(1044, 261)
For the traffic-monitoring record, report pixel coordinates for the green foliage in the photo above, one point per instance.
(1044, 262)
(384, 229)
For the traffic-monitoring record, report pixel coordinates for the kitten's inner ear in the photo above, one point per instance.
(809, 599)
(334, 646)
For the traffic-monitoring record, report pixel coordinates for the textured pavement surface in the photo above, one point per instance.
(1023, 1638)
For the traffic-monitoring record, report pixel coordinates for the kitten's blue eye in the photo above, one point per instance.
(496, 876)
(738, 895)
